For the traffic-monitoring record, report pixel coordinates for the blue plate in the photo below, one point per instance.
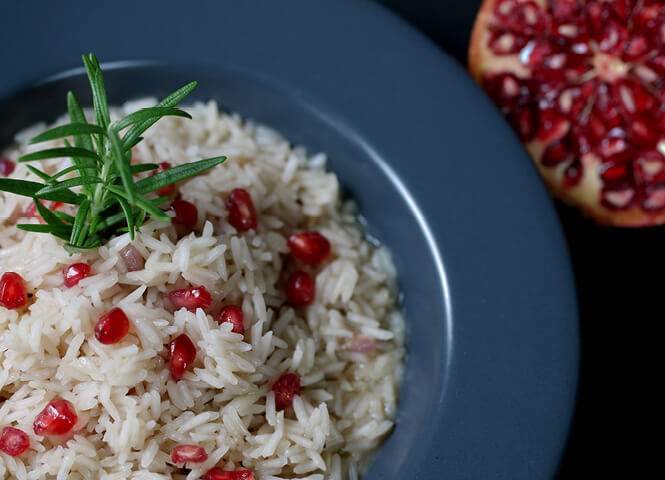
(488, 290)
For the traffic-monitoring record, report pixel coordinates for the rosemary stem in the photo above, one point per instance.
(99, 196)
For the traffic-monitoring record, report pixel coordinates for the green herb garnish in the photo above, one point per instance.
(110, 199)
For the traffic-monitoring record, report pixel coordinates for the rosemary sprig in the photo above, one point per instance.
(110, 201)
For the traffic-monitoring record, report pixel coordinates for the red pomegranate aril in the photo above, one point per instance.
(112, 327)
(553, 126)
(555, 154)
(13, 292)
(75, 273)
(613, 38)
(186, 213)
(615, 172)
(31, 210)
(168, 190)
(219, 474)
(57, 418)
(286, 387)
(233, 315)
(525, 122)
(188, 453)
(6, 167)
(300, 289)
(14, 441)
(362, 345)
(503, 42)
(132, 258)
(618, 199)
(563, 9)
(191, 298)
(309, 247)
(654, 199)
(650, 167)
(642, 132)
(615, 149)
(573, 174)
(636, 48)
(240, 206)
(182, 355)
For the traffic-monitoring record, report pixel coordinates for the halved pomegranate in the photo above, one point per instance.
(582, 83)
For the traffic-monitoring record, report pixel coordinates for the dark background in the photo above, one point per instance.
(619, 274)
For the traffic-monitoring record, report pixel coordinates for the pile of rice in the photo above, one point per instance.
(132, 413)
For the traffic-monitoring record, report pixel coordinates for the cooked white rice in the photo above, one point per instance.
(132, 414)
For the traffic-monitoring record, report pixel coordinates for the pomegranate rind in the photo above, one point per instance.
(586, 194)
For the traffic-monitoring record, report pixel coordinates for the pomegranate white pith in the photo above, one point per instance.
(583, 84)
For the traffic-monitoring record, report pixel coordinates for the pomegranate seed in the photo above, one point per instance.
(233, 314)
(14, 441)
(615, 149)
(654, 198)
(242, 214)
(525, 121)
(168, 190)
(188, 453)
(285, 388)
(650, 167)
(31, 211)
(573, 174)
(309, 247)
(617, 199)
(219, 474)
(563, 9)
(614, 172)
(191, 298)
(112, 327)
(362, 345)
(186, 213)
(57, 418)
(555, 154)
(13, 292)
(183, 354)
(132, 258)
(505, 43)
(6, 167)
(300, 289)
(75, 273)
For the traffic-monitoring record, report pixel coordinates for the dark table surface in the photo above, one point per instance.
(619, 274)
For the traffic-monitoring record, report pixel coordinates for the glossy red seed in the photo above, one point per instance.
(233, 314)
(240, 206)
(555, 154)
(188, 453)
(186, 213)
(168, 190)
(182, 355)
(300, 289)
(57, 418)
(309, 247)
(286, 387)
(112, 327)
(219, 474)
(191, 298)
(75, 273)
(6, 167)
(614, 172)
(13, 292)
(31, 210)
(14, 441)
